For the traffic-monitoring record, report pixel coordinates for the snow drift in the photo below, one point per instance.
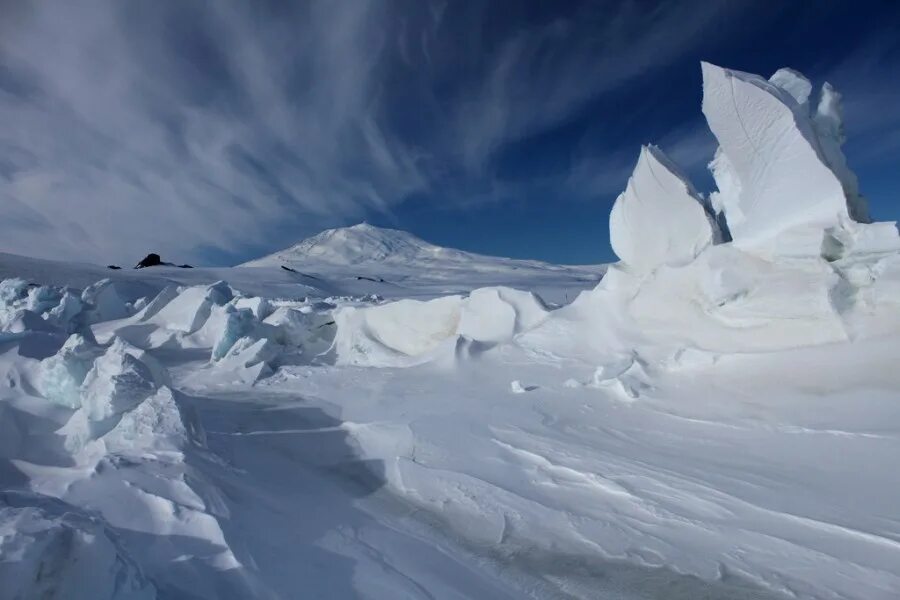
(409, 332)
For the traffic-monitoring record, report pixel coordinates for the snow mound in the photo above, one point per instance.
(784, 185)
(659, 218)
(626, 376)
(497, 314)
(409, 332)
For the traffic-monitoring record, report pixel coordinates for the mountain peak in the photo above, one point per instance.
(360, 243)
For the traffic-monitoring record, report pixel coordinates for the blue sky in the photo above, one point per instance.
(215, 132)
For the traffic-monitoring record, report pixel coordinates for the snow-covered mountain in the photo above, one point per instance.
(364, 243)
(716, 418)
(397, 258)
(367, 245)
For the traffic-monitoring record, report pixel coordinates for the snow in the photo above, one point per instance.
(712, 419)
(312, 332)
(784, 184)
(62, 374)
(411, 332)
(117, 382)
(795, 84)
(659, 218)
(46, 555)
(395, 264)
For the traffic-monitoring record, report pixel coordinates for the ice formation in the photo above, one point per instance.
(62, 374)
(239, 323)
(659, 219)
(784, 184)
(409, 332)
(310, 331)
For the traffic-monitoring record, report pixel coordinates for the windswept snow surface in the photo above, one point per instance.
(388, 419)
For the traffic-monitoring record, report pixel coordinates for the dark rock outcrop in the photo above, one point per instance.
(153, 260)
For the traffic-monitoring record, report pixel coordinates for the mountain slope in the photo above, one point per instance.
(366, 244)
(398, 258)
(362, 243)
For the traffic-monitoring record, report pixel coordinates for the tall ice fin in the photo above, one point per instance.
(783, 181)
(659, 218)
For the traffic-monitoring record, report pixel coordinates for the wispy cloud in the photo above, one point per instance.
(130, 127)
(544, 75)
(871, 109)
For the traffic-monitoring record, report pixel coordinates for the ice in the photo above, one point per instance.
(239, 323)
(13, 295)
(17, 322)
(188, 312)
(402, 332)
(156, 423)
(659, 219)
(784, 185)
(65, 555)
(769, 147)
(68, 313)
(158, 302)
(247, 361)
(794, 83)
(13, 290)
(828, 122)
(498, 314)
(118, 381)
(310, 330)
(105, 302)
(260, 307)
(62, 374)
(409, 332)
(104, 381)
(42, 298)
